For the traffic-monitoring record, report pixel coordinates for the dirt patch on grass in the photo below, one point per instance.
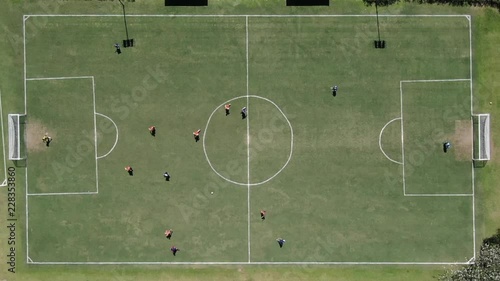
(35, 130)
(462, 140)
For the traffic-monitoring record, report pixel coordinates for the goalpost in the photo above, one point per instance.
(482, 149)
(17, 137)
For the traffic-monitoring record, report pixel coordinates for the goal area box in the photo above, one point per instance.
(17, 136)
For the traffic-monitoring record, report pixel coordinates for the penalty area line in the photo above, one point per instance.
(62, 193)
(59, 78)
(436, 80)
(438, 195)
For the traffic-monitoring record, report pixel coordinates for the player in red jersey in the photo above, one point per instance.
(152, 130)
(168, 233)
(129, 170)
(196, 135)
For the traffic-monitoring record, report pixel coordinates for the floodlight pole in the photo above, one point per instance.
(378, 25)
(124, 18)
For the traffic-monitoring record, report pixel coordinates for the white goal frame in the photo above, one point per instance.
(486, 146)
(15, 151)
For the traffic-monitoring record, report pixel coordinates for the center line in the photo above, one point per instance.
(248, 145)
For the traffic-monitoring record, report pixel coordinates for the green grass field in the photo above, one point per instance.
(338, 199)
(355, 179)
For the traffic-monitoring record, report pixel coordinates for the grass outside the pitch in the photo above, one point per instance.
(485, 35)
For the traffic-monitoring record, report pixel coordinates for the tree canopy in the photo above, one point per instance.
(480, 3)
(486, 266)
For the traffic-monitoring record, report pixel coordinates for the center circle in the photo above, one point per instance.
(263, 135)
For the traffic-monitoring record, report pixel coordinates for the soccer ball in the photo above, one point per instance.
(212, 193)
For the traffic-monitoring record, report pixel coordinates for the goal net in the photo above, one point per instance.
(17, 123)
(481, 137)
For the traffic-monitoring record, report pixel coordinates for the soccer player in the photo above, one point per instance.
(168, 234)
(118, 50)
(46, 139)
(263, 214)
(167, 176)
(334, 90)
(243, 113)
(129, 170)
(152, 130)
(227, 107)
(196, 135)
(446, 146)
(281, 242)
(174, 250)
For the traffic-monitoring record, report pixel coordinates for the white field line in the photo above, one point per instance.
(62, 193)
(59, 78)
(252, 263)
(472, 137)
(26, 172)
(24, 64)
(28, 259)
(4, 183)
(438, 195)
(236, 16)
(116, 139)
(27, 215)
(380, 141)
(248, 144)
(95, 138)
(435, 80)
(402, 136)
